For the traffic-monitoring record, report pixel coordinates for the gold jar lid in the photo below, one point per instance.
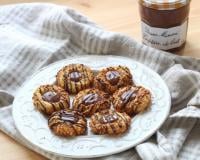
(164, 4)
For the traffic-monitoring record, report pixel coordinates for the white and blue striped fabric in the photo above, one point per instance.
(35, 35)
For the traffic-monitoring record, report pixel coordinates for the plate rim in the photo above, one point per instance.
(92, 155)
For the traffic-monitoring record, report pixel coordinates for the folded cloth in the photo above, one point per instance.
(35, 35)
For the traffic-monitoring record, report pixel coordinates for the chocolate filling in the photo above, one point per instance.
(109, 118)
(75, 76)
(91, 98)
(51, 97)
(127, 96)
(71, 117)
(112, 77)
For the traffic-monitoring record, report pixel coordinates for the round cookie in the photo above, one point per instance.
(50, 98)
(112, 78)
(109, 122)
(90, 101)
(74, 78)
(131, 99)
(67, 123)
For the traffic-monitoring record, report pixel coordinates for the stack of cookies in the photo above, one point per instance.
(108, 100)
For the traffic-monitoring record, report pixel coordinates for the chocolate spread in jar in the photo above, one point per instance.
(164, 24)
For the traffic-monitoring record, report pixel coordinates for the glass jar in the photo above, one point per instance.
(164, 23)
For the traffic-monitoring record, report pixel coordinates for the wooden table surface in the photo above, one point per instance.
(114, 15)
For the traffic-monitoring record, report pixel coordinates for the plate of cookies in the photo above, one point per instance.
(91, 106)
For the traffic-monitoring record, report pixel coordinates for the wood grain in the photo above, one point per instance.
(114, 15)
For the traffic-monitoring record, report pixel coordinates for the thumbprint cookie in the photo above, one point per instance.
(90, 101)
(131, 100)
(67, 123)
(109, 122)
(50, 98)
(112, 78)
(74, 78)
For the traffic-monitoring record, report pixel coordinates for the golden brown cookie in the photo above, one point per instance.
(67, 123)
(50, 98)
(90, 101)
(131, 99)
(109, 122)
(75, 77)
(112, 78)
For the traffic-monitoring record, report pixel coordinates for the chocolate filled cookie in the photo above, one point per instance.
(50, 98)
(67, 123)
(75, 77)
(109, 122)
(112, 78)
(90, 101)
(132, 100)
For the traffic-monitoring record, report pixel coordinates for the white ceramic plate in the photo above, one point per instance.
(33, 125)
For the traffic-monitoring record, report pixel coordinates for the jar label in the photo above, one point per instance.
(164, 38)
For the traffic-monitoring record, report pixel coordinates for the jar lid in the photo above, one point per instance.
(164, 4)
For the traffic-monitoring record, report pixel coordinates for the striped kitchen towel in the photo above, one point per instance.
(35, 35)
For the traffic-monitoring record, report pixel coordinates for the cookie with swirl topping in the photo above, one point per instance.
(90, 101)
(50, 98)
(132, 100)
(67, 123)
(74, 78)
(109, 122)
(112, 78)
